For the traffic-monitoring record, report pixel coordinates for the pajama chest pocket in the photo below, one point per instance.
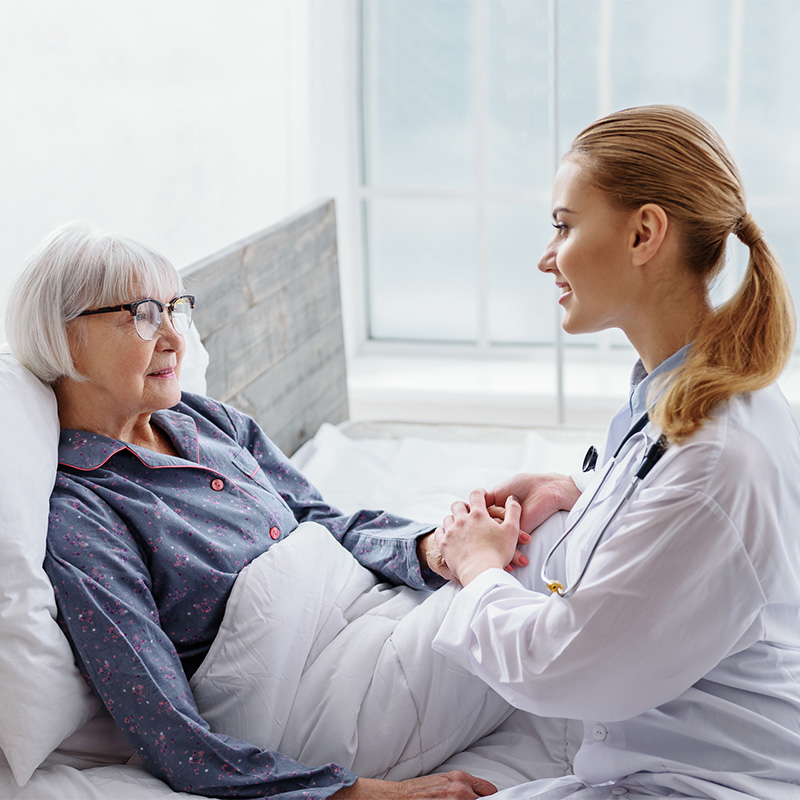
(247, 465)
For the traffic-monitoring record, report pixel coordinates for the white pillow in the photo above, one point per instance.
(195, 362)
(43, 698)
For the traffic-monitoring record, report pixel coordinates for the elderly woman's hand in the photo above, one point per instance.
(456, 785)
(475, 539)
(430, 556)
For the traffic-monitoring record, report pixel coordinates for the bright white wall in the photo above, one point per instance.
(183, 123)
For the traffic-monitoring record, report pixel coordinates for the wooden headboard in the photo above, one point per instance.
(268, 311)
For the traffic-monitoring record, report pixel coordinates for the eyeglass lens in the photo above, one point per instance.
(148, 317)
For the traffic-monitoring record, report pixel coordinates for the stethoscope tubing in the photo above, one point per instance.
(654, 453)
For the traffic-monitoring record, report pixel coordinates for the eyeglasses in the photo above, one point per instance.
(148, 315)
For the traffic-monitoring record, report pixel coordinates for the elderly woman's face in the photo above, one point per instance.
(127, 375)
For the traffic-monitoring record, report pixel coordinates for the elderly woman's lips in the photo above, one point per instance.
(164, 373)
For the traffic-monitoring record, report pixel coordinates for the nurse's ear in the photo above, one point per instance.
(649, 227)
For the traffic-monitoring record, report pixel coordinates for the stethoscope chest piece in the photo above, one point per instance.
(590, 459)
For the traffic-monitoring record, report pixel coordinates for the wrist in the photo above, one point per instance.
(473, 567)
(370, 788)
(422, 548)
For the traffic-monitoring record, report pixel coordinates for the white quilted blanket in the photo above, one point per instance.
(320, 661)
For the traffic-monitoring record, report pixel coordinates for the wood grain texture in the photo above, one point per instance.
(269, 313)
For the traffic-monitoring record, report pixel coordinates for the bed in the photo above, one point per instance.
(268, 339)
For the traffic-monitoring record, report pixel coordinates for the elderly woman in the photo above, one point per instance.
(160, 501)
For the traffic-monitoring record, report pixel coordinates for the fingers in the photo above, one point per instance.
(477, 503)
(478, 786)
(459, 508)
(476, 537)
(477, 499)
(515, 485)
(513, 512)
(496, 512)
(481, 787)
(519, 559)
(497, 494)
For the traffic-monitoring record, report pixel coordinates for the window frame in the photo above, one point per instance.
(602, 346)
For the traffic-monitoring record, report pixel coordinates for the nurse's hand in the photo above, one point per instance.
(540, 496)
(430, 555)
(473, 539)
(456, 785)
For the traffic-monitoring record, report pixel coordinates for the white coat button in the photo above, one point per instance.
(599, 732)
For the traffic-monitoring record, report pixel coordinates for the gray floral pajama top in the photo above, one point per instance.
(143, 550)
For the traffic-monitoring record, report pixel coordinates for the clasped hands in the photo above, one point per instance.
(488, 530)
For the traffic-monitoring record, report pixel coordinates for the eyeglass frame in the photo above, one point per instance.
(132, 307)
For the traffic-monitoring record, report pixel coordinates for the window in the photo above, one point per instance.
(467, 105)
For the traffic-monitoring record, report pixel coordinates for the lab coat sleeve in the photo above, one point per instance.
(666, 598)
(582, 479)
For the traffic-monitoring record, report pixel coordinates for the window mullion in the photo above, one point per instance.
(605, 32)
(555, 155)
(480, 62)
(731, 277)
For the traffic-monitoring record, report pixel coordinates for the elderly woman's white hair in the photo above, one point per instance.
(75, 268)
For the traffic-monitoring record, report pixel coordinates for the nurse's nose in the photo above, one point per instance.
(547, 261)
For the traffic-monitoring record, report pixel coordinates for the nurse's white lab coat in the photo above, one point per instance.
(680, 650)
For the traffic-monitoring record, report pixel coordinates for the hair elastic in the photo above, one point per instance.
(747, 230)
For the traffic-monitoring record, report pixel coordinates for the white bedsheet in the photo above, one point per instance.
(418, 472)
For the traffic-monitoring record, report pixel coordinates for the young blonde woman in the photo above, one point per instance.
(668, 616)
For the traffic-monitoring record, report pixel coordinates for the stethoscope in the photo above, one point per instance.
(651, 458)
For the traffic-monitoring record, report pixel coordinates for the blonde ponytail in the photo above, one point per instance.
(669, 156)
(742, 346)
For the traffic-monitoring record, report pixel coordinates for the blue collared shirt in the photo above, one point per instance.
(641, 384)
(143, 551)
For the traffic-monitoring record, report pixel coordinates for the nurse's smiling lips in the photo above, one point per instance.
(566, 291)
